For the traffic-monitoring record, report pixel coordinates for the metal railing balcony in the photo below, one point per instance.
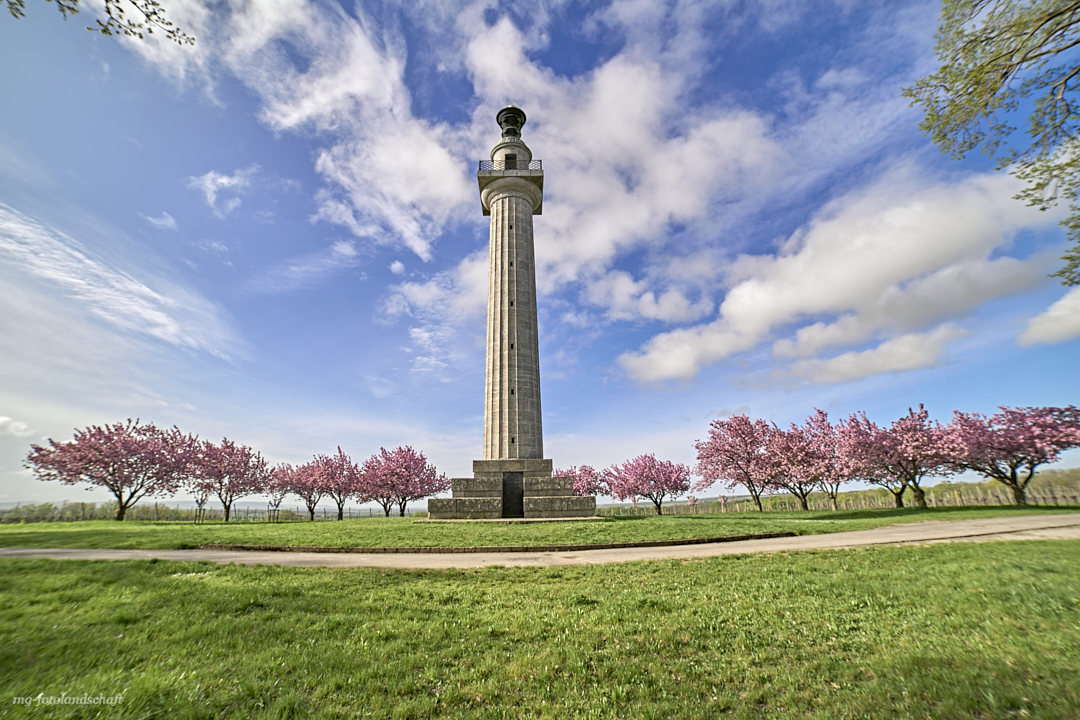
(513, 165)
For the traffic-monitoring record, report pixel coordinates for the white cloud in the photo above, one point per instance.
(397, 267)
(165, 222)
(628, 299)
(906, 352)
(440, 307)
(309, 269)
(14, 428)
(171, 314)
(641, 163)
(396, 178)
(1060, 322)
(633, 158)
(213, 183)
(953, 291)
(449, 297)
(390, 176)
(213, 247)
(882, 258)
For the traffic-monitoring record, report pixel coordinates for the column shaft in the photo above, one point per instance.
(512, 419)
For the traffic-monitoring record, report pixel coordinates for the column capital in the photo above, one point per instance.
(530, 187)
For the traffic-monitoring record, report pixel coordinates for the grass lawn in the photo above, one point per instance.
(988, 630)
(396, 532)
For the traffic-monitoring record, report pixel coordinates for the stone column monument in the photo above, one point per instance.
(513, 479)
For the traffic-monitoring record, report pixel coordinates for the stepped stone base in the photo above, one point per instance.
(511, 488)
(560, 507)
(465, 508)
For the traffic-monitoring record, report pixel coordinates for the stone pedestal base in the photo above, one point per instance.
(511, 488)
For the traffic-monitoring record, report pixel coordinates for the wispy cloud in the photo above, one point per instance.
(309, 269)
(213, 183)
(438, 308)
(172, 314)
(165, 222)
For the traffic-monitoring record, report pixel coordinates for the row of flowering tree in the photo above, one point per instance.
(390, 478)
(134, 460)
(642, 477)
(818, 455)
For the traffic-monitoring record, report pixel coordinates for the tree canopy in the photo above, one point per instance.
(148, 16)
(1000, 57)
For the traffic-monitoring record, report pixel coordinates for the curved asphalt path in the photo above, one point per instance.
(1024, 527)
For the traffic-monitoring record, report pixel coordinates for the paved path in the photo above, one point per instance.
(1004, 528)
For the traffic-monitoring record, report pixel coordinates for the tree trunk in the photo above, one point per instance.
(920, 496)
(657, 503)
(341, 511)
(757, 503)
(802, 502)
(121, 510)
(1019, 496)
(228, 507)
(832, 500)
(401, 508)
(899, 498)
(311, 512)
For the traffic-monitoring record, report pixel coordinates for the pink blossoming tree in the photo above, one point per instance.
(398, 477)
(340, 478)
(826, 462)
(916, 449)
(587, 479)
(736, 453)
(790, 459)
(862, 443)
(280, 484)
(1009, 446)
(909, 451)
(306, 482)
(129, 460)
(647, 477)
(229, 471)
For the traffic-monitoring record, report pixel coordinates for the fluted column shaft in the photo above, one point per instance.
(512, 419)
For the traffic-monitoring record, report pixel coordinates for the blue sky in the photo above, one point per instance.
(276, 235)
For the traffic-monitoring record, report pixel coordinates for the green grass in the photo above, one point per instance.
(397, 532)
(989, 630)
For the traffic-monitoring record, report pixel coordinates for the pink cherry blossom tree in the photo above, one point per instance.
(398, 477)
(789, 457)
(306, 482)
(736, 453)
(1009, 445)
(130, 460)
(229, 471)
(826, 462)
(647, 477)
(864, 447)
(918, 449)
(340, 478)
(909, 451)
(279, 484)
(587, 479)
